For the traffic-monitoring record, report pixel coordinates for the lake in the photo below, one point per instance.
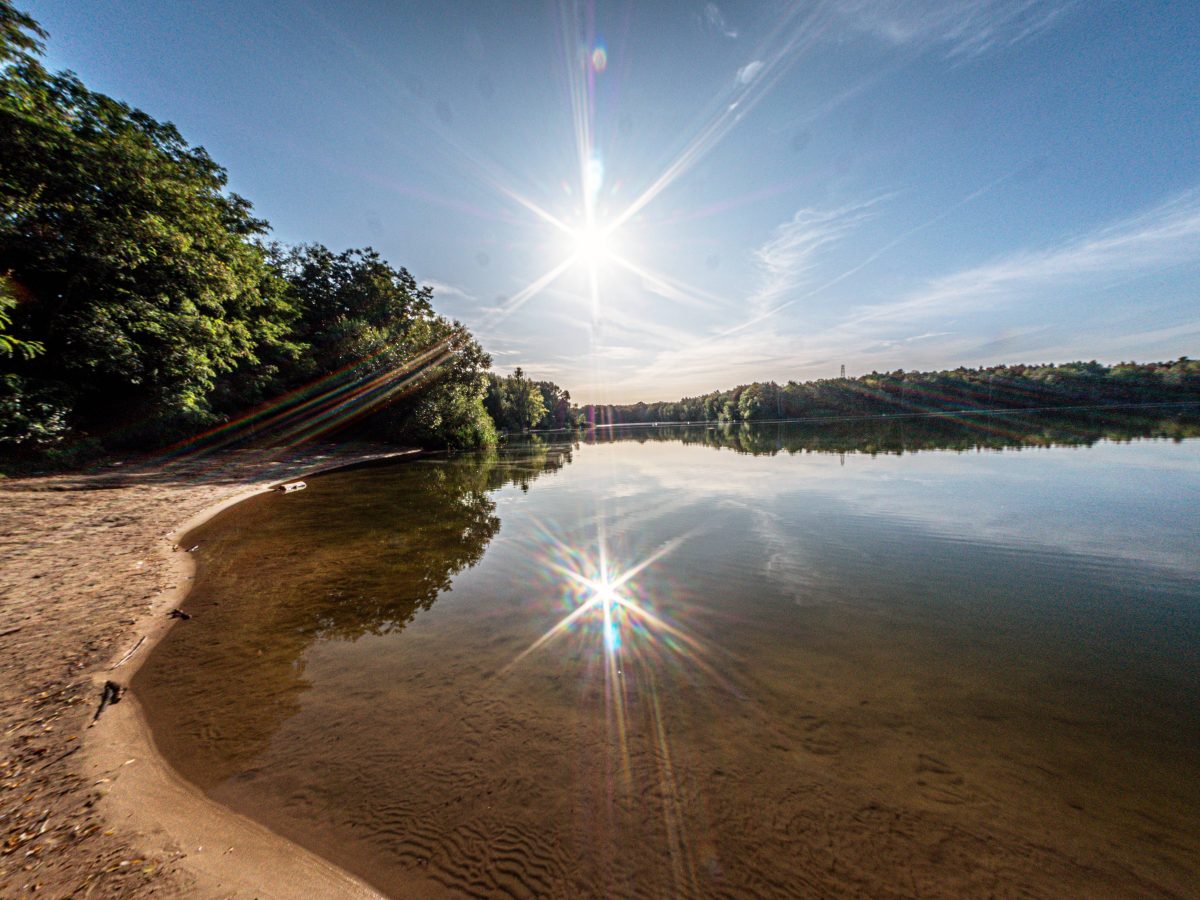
(934, 657)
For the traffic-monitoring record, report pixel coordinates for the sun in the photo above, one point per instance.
(591, 244)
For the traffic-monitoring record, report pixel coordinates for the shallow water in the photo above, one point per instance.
(795, 661)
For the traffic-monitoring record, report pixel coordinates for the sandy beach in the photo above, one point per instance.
(90, 570)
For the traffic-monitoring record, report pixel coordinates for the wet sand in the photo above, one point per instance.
(88, 574)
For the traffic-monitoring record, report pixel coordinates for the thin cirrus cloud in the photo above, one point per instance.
(789, 258)
(788, 264)
(962, 28)
(715, 20)
(884, 335)
(443, 290)
(1166, 235)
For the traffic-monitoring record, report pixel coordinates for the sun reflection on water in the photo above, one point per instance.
(624, 621)
(607, 600)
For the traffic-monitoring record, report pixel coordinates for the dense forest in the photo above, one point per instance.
(140, 301)
(900, 392)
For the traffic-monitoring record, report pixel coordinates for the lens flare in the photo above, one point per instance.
(599, 59)
(594, 176)
(607, 599)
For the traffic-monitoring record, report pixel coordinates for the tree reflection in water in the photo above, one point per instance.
(908, 434)
(322, 578)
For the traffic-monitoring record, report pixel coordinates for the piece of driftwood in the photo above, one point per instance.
(111, 694)
(124, 658)
(291, 486)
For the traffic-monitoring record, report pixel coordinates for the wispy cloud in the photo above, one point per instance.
(1165, 235)
(534, 368)
(1109, 346)
(443, 290)
(912, 332)
(963, 29)
(789, 257)
(715, 20)
(747, 72)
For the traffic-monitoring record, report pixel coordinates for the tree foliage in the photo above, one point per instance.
(517, 403)
(133, 267)
(137, 297)
(359, 319)
(514, 402)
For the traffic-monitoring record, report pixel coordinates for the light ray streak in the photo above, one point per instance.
(682, 869)
(594, 289)
(853, 270)
(643, 613)
(559, 627)
(775, 64)
(533, 207)
(308, 406)
(580, 89)
(529, 291)
(670, 288)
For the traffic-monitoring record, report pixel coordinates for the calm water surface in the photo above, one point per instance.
(697, 662)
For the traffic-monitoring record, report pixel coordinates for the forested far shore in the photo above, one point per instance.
(955, 390)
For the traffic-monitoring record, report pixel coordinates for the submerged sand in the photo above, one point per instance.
(89, 573)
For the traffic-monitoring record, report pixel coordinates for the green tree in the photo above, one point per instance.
(138, 273)
(527, 403)
(370, 332)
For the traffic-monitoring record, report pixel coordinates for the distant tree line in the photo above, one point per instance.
(890, 393)
(140, 302)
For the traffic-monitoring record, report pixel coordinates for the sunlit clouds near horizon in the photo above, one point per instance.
(645, 201)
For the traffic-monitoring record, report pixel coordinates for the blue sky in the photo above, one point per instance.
(729, 192)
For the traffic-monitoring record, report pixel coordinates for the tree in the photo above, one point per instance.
(140, 276)
(371, 331)
(526, 401)
(517, 403)
(159, 307)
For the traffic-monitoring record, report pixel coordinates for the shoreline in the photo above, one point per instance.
(107, 815)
